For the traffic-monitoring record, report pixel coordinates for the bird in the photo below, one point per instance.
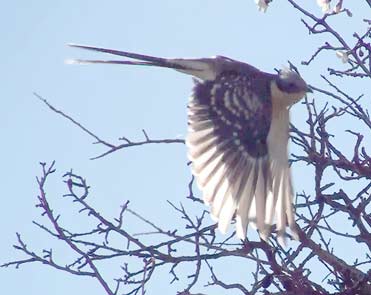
(237, 138)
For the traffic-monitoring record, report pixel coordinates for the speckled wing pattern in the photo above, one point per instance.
(237, 139)
(227, 140)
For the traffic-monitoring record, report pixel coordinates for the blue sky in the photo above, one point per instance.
(116, 101)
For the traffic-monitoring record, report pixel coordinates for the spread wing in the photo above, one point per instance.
(237, 140)
(229, 121)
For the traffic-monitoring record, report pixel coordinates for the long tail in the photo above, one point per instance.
(202, 68)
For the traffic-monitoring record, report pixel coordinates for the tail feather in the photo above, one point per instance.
(151, 60)
(98, 61)
(202, 68)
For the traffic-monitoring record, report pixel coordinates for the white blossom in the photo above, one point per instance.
(343, 56)
(325, 5)
(262, 5)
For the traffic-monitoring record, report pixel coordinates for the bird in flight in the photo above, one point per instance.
(238, 131)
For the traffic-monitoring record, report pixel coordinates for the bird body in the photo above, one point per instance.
(238, 131)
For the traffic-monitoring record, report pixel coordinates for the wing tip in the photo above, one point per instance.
(223, 228)
(240, 228)
(265, 233)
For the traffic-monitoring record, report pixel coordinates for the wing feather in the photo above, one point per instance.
(224, 185)
(233, 197)
(195, 138)
(235, 158)
(260, 198)
(244, 205)
(228, 127)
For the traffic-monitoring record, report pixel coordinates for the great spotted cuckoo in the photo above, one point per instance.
(238, 131)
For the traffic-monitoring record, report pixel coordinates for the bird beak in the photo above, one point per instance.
(309, 89)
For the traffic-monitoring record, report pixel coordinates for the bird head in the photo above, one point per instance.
(289, 87)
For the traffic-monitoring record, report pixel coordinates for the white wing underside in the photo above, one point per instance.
(243, 191)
